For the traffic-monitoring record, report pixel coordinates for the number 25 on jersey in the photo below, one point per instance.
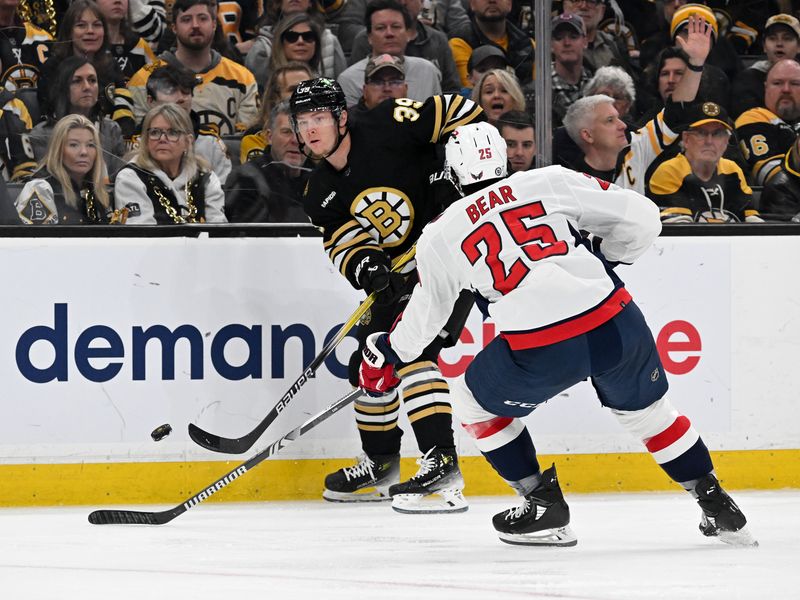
(536, 241)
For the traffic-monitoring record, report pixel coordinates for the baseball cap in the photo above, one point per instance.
(569, 20)
(384, 61)
(784, 19)
(708, 112)
(481, 53)
(681, 18)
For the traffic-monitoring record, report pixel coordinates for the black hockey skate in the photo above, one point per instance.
(541, 520)
(367, 481)
(436, 488)
(721, 518)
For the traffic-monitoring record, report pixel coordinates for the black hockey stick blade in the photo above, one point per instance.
(131, 517)
(240, 445)
(135, 517)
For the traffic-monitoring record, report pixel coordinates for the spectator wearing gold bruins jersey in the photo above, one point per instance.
(766, 133)
(371, 194)
(23, 49)
(698, 185)
(225, 96)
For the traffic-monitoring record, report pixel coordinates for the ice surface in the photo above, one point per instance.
(630, 546)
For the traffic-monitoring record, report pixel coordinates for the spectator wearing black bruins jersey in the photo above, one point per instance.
(698, 185)
(766, 133)
(225, 96)
(16, 154)
(23, 49)
(371, 195)
(130, 51)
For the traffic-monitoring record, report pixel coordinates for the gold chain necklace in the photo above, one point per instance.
(88, 198)
(171, 212)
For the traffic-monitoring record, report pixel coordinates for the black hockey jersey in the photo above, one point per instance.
(23, 51)
(764, 139)
(685, 198)
(379, 203)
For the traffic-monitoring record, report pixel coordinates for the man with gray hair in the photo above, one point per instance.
(605, 150)
(269, 188)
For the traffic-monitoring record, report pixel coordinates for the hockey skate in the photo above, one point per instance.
(721, 518)
(541, 520)
(436, 488)
(367, 481)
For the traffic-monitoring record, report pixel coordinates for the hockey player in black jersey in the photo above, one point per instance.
(371, 195)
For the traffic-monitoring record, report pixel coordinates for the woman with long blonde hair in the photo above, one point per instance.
(498, 91)
(69, 185)
(165, 182)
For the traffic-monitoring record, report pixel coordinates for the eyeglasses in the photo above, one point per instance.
(714, 134)
(156, 133)
(589, 2)
(393, 83)
(291, 37)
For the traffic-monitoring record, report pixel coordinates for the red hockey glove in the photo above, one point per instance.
(376, 375)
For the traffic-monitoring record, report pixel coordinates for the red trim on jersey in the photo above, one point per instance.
(486, 428)
(670, 435)
(552, 334)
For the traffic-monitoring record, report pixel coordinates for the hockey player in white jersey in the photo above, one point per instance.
(563, 316)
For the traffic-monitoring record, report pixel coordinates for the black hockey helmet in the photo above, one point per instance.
(318, 94)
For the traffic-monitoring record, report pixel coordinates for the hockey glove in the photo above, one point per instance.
(375, 277)
(376, 375)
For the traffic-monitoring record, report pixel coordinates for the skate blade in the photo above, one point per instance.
(443, 501)
(366, 495)
(563, 536)
(742, 538)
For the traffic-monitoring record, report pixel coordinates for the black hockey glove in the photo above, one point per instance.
(377, 278)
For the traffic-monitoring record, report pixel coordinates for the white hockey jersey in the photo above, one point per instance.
(646, 145)
(516, 243)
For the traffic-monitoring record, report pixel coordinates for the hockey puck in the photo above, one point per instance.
(160, 432)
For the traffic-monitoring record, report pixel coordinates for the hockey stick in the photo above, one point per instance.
(242, 444)
(135, 517)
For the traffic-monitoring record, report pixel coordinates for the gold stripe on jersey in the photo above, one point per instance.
(437, 123)
(35, 34)
(669, 214)
(252, 146)
(763, 170)
(17, 107)
(787, 164)
(668, 177)
(467, 112)
(345, 242)
(360, 239)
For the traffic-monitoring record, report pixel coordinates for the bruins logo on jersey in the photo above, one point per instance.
(20, 76)
(386, 213)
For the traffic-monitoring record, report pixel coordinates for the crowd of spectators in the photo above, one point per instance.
(130, 111)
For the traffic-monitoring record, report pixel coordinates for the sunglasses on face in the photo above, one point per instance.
(291, 37)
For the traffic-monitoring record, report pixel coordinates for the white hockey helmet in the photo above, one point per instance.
(476, 153)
